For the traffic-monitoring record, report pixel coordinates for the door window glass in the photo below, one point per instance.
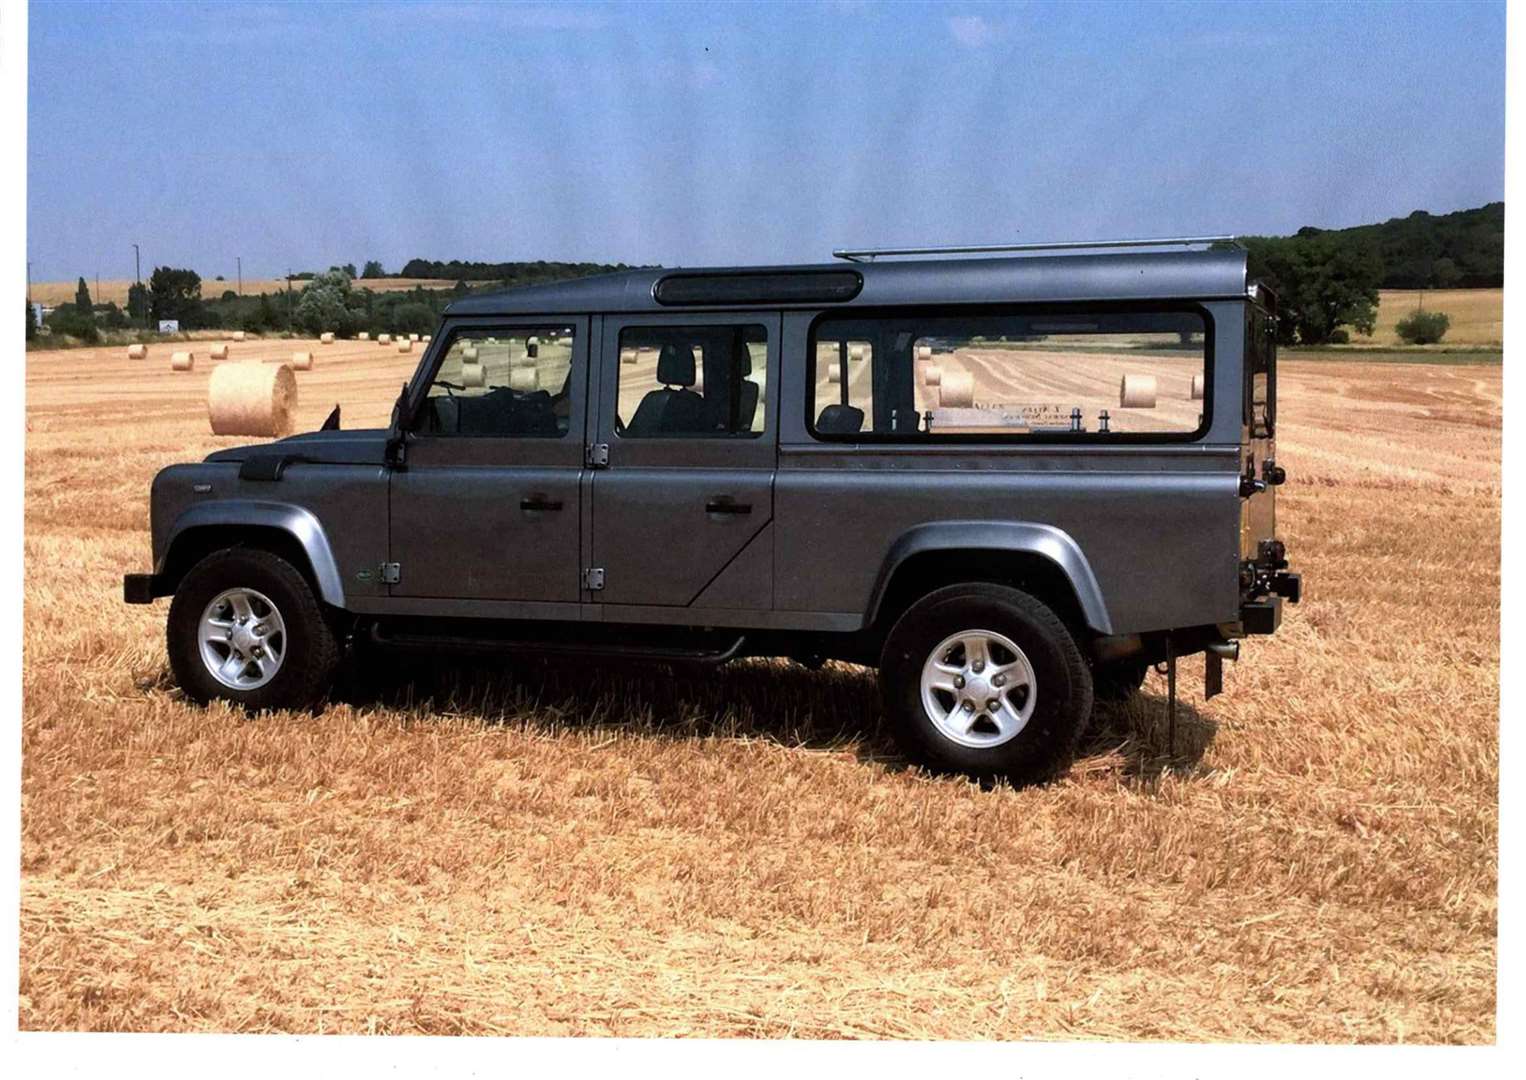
(503, 382)
(691, 381)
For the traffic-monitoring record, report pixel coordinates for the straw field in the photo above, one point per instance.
(531, 849)
(1477, 315)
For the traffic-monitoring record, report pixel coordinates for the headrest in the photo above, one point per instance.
(744, 360)
(675, 365)
(840, 420)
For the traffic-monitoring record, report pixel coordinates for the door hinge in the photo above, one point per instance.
(593, 578)
(597, 456)
(391, 573)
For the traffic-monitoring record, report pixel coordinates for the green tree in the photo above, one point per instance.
(1321, 281)
(175, 294)
(137, 301)
(349, 268)
(324, 304)
(82, 302)
(414, 318)
(1423, 327)
(1444, 273)
(373, 269)
(31, 321)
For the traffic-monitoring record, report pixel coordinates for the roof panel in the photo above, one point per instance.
(1154, 275)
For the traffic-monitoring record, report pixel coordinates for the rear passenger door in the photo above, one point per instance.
(683, 509)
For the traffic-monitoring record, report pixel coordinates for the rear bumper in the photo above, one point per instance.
(141, 588)
(1263, 615)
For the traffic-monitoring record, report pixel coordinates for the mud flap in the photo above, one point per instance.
(1213, 674)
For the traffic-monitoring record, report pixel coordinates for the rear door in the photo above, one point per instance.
(486, 506)
(1258, 442)
(682, 512)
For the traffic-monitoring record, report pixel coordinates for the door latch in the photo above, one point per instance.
(598, 455)
(593, 578)
(391, 573)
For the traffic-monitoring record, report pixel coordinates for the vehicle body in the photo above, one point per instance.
(821, 462)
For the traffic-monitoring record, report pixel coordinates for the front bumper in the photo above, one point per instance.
(141, 588)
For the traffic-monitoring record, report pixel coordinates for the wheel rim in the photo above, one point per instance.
(978, 688)
(243, 639)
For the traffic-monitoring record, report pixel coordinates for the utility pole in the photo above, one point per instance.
(288, 299)
(240, 259)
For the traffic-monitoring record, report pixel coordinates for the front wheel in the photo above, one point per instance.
(986, 680)
(245, 627)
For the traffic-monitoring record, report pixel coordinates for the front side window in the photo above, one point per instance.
(692, 381)
(503, 383)
(1061, 373)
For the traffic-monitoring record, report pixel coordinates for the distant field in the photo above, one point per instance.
(115, 291)
(1478, 315)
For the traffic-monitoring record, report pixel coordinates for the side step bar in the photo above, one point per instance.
(491, 645)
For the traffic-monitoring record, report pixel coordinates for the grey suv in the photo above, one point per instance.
(1011, 482)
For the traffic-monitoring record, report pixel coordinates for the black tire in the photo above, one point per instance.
(1046, 745)
(310, 651)
(1119, 680)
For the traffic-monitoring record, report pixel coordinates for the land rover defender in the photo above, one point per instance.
(1009, 478)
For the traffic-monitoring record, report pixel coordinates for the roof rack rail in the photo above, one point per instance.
(870, 254)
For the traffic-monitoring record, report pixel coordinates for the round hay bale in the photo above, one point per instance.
(384, 339)
(302, 361)
(137, 352)
(405, 346)
(326, 338)
(521, 360)
(364, 335)
(427, 339)
(1137, 392)
(469, 353)
(1197, 388)
(251, 399)
(523, 379)
(473, 373)
(220, 352)
(627, 356)
(924, 352)
(413, 337)
(238, 335)
(932, 375)
(956, 390)
(183, 361)
(857, 352)
(834, 372)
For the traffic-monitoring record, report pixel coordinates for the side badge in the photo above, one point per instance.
(363, 575)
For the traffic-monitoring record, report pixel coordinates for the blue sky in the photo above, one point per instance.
(304, 136)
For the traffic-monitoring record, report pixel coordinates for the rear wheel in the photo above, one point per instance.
(986, 680)
(245, 627)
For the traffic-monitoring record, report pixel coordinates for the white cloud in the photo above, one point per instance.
(973, 31)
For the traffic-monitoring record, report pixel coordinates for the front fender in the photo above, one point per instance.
(1015, 537)
(296, 521)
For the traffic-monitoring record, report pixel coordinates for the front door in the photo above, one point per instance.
(486, 504)
(682, 514)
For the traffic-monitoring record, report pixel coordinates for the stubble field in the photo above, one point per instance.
(529, 850)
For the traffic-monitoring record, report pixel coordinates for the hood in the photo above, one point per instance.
(361, 446)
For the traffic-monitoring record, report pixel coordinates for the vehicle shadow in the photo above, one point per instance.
(834, 708)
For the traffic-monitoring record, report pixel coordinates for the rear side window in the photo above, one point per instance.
(1063, 373)
(692, 381)
(513, 383)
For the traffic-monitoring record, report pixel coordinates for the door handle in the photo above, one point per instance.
(539, 502)
(725, 504)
